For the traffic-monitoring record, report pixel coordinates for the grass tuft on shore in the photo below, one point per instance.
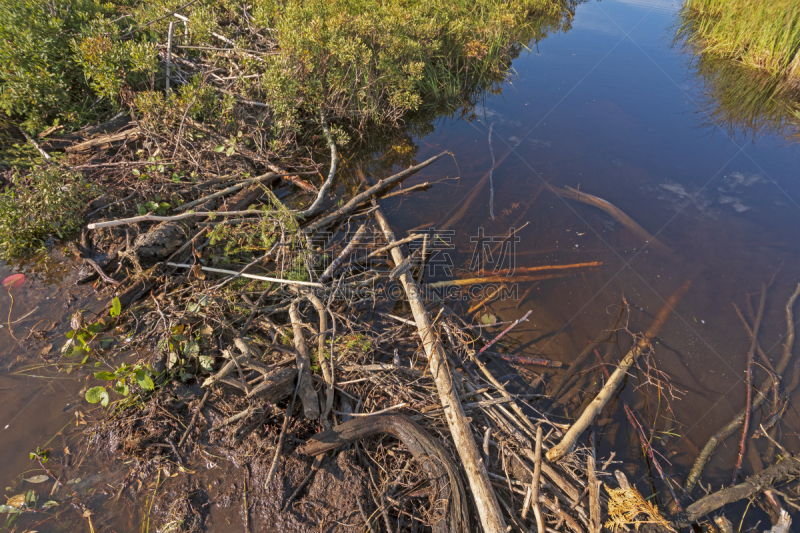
(757, 33)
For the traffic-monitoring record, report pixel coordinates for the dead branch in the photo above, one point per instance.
(609, 389)
(616, 212)
(305, 387)
(475, 470)
(358, 199)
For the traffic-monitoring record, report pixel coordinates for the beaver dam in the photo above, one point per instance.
(346, 392)
(288, 316)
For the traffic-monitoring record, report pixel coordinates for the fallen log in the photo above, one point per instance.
(434, 459)
(105, 140)
(753, 485)
(474, 467)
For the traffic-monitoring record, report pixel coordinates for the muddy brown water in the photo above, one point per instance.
(612, 109)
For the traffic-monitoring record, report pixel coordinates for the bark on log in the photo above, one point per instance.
(485, 499)
(104, 140)
(755, 484)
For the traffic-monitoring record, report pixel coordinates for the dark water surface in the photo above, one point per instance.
(609, 108)
(613, 109)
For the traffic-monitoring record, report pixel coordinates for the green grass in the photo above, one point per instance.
(763, 34)
(747, 52)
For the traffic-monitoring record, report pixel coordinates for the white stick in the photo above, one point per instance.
(158, 218)
(250, 276)
(331, 173)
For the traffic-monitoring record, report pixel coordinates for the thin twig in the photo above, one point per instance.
(282, 437)
(749, 376)
(509, 328)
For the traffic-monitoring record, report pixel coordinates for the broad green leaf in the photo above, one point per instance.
(229, 152)
(104, 399)
(95, 394)
(122, 388)
(488, 320)
(219, 148)
(108, 376)
(7, 509)
(144, 380)
(116, 307)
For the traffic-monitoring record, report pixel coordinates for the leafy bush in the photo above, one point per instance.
(367, 61)
(45, 202)
(361, 62)
(58, 56)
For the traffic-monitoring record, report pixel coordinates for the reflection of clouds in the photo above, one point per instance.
(736, 180)
(735, 203)
(498, 119)
(731, 190)
(536, 143)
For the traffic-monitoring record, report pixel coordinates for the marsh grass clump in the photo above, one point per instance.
(757, 33)
(747, 52)
(44, 202)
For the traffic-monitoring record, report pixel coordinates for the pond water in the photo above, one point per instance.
(610, 108)
(613, 109)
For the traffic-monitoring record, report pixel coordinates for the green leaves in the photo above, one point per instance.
(121, 376)
(97, 394)
(116, 307)
(43, 202)
(143, 379)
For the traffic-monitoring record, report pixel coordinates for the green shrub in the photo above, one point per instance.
(373, 62)
(45, 202)
(58, 56)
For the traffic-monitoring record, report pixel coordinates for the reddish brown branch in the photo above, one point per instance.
(749, 375)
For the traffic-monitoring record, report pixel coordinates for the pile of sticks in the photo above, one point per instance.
(307, 350)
